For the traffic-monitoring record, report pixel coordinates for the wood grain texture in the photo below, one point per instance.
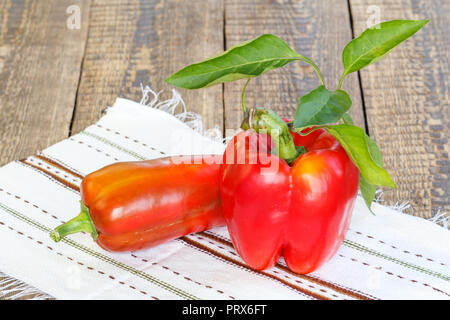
(40, 59)
(134, 42)
(316, 29)
(406, 96)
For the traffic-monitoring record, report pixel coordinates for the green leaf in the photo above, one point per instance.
(354, 140)
(376, 42)
(347, 119)
(368, 190)
(321, 106)
(375, 153)
(245, 60)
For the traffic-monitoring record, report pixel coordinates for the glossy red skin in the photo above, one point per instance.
(301, 211)
(137, 205)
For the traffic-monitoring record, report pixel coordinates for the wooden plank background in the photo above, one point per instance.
(54, 81)
(40, 61)
(407, 104)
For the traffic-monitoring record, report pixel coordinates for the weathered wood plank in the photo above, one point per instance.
(406, 96)
(40, 59)
(316, 29)
(134, 42)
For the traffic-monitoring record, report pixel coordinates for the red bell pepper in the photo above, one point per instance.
(301, 211)
(129, 206)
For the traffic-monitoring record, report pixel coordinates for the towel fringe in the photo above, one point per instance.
(441, 218)
(13, 289)
(192, 119)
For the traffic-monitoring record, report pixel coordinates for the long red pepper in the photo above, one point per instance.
(129, 206)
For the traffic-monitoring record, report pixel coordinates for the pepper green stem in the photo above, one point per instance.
(244, 107)
(80, 223)
(316, 68)
(263, 120)
(340, 82)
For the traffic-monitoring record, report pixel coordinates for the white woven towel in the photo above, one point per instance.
(387, 256)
